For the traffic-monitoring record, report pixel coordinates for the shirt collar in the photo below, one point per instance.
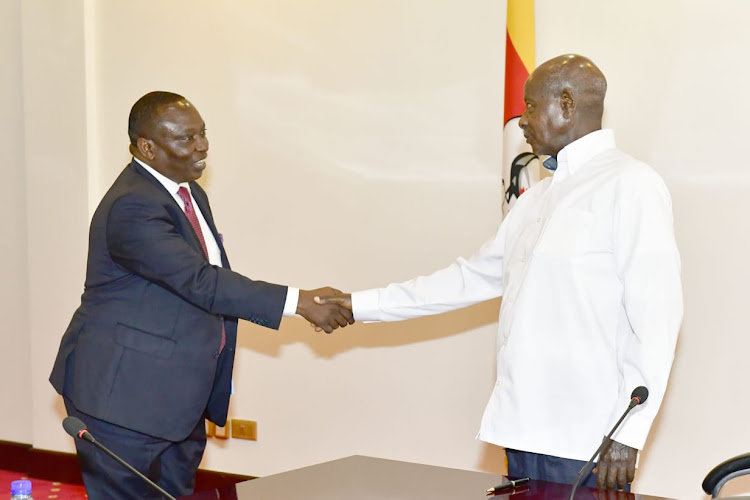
(170, 185)
(578, 153)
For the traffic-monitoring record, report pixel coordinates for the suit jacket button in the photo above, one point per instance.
(215, 354)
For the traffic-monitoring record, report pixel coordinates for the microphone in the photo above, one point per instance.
(637, 397)
(77, 429)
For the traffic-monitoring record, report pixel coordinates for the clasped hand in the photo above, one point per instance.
(333, 298)
(326, 316)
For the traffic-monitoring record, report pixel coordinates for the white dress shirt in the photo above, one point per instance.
(589, 272)
(214, 253)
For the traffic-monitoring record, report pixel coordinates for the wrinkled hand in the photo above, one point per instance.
(339, 298)
(323, 316)
(616, 466)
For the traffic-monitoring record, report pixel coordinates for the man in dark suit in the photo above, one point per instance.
(149, 353)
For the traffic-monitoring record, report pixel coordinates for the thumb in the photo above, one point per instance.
(327, 300)
(344, 301)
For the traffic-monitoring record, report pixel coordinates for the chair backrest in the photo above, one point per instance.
(729, 469)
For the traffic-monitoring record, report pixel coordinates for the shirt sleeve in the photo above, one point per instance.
(648, 265)
(292, 299)
(461, 284)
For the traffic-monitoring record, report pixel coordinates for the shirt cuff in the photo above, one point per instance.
(292, 297)
(365, 305)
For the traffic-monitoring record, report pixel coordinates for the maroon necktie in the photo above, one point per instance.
(193, 218)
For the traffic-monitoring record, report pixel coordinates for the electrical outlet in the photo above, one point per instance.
(245, 429)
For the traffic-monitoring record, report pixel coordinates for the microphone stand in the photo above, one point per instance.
(77, 429)
(633, 402)
(86, 435)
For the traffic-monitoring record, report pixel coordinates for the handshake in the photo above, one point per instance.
(325, 308)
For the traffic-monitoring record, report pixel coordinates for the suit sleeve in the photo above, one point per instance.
(144, 238)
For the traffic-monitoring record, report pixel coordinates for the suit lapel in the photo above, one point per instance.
(188, 232)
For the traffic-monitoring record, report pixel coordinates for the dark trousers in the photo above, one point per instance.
(171, 465)
(546, 468)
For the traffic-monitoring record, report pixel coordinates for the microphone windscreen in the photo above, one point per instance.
(640, 393)
(73, 426)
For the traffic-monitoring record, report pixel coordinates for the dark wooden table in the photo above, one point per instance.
(367, 478)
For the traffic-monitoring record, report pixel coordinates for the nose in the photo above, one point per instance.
(523, 122)
(202, 143)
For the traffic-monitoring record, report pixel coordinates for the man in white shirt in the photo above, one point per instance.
(596, 241)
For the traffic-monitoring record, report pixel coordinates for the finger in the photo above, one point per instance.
(326, 327)
(621, 477)
(330, 299)
(340, 319)
(601, 475)
(348, 314)
(612, 477)
(631, 471)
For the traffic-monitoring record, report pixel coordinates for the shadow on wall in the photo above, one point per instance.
(392, 334)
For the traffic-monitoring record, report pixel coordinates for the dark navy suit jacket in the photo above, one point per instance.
(141, 351)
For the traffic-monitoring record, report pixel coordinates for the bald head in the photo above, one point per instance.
(580, 76)
(564, 101)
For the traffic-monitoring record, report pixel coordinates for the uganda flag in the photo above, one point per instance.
(521, 168)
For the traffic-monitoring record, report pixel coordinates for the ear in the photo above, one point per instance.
(567, 103)
(145, 147)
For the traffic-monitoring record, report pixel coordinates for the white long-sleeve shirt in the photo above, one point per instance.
(589, 272)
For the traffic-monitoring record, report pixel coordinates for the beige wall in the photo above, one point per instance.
(55, 154)
(15, 396)
(355, 143)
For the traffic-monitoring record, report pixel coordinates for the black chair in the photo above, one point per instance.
(729, 469)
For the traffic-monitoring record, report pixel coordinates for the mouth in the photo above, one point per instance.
(200, 164)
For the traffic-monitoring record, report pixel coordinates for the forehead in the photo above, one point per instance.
(179, 117)
(532, 89)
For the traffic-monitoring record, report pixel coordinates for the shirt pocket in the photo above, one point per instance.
(569, 231)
